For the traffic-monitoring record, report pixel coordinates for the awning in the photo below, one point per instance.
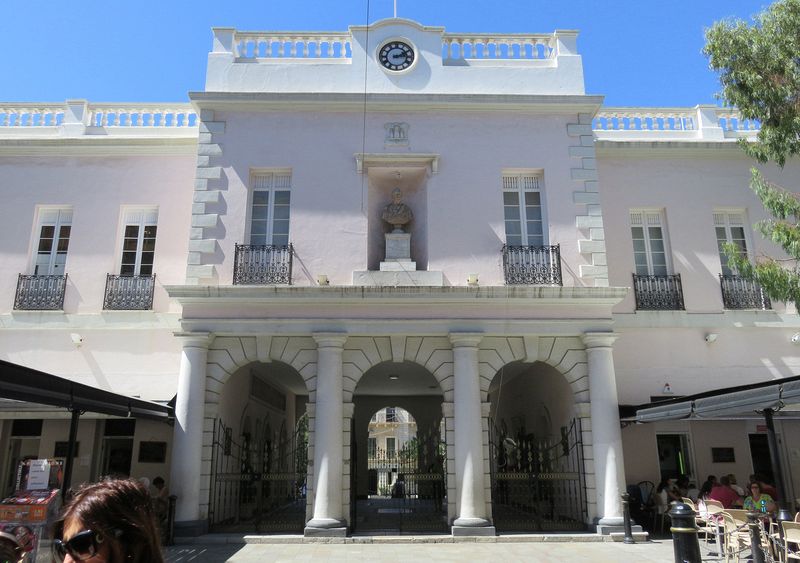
(728, 402)
(21, 383)
(765, 398)
(25, 384)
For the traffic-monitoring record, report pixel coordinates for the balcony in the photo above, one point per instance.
(129, 293)
(40, 293)
(532, 265)
(658, 293)
(740, 293)
(262, 264)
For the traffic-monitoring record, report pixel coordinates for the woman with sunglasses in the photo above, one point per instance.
(109, 522)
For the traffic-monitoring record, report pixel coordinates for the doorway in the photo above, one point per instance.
(398, 453)
(760, 456)
(674, 456)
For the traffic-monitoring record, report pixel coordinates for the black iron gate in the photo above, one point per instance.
(407, 488)
(258, 483)
(537, 484)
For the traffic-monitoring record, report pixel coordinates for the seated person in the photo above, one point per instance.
(759, 501)
(723, 493)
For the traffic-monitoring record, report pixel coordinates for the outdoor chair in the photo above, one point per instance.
(791, 541)
(735, 539)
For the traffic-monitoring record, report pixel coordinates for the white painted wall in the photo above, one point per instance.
(562, 75)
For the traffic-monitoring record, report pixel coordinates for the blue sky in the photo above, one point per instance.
(635, 52)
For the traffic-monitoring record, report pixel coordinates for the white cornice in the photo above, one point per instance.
(367, 160)
(669, 149)
(490, 295)
(97, 146)
(267, 101)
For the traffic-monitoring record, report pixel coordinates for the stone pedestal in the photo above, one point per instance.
(398, 246)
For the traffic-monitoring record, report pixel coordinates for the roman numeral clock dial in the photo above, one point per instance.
(396, 56)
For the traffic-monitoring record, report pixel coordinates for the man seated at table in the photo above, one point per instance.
(723, 493)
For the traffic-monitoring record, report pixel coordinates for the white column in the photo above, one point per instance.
(328, 444)
(606, 435)
(187, 443)
(470, 492)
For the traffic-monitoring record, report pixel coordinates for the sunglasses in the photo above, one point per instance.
(82, 546)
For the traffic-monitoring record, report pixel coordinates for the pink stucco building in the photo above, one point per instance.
(229, 253)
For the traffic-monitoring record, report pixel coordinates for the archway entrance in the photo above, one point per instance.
(535, 451)
(398, 453)
(259, 452)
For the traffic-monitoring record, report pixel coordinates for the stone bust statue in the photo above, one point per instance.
(397, 213)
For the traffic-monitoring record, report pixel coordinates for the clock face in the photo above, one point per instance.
(396, 55)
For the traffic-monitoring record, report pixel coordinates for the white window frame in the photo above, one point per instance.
(57, 217)
(726, 217)
(527, 180)
(140, 217)
(650, 217)
(279, 179)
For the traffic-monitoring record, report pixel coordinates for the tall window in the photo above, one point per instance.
(391, 448)
(649, 244)
(522, 207)
(51, 248)
(729, 228)
(269, 218)
(391, 414)
(139, 243)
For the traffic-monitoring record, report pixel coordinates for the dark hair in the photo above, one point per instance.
(158, 481)
(123, 505)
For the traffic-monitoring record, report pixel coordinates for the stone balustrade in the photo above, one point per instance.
(142, 115)
(731, 121)
(28, 115)
(79, 117)
(645, 119)
(291, 45)
(701, 123)
(333, 46)
(482, 46)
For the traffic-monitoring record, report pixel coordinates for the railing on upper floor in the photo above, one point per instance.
(79, 117)
(645, 119)
(262, 264)
(292, 45)
(334, 46)
(142, 115)
(484, 46)
(741, 293)
(129, 293)
(40, 293)
(658, 293)
(698, 123)
(31, 115)
(532, 265)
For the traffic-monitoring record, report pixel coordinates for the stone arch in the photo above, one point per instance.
(433, 353)
(566, 354)
(226, 356)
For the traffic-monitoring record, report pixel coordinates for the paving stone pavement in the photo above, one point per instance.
(462, 552)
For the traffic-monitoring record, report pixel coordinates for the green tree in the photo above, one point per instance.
(759, 70)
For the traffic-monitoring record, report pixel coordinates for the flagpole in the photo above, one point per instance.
(395, 8)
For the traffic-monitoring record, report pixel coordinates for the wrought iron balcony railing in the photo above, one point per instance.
(740, 293)
(129, 293)
(40, 293)
(658, 293)
(532, 265)
(262, 264)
